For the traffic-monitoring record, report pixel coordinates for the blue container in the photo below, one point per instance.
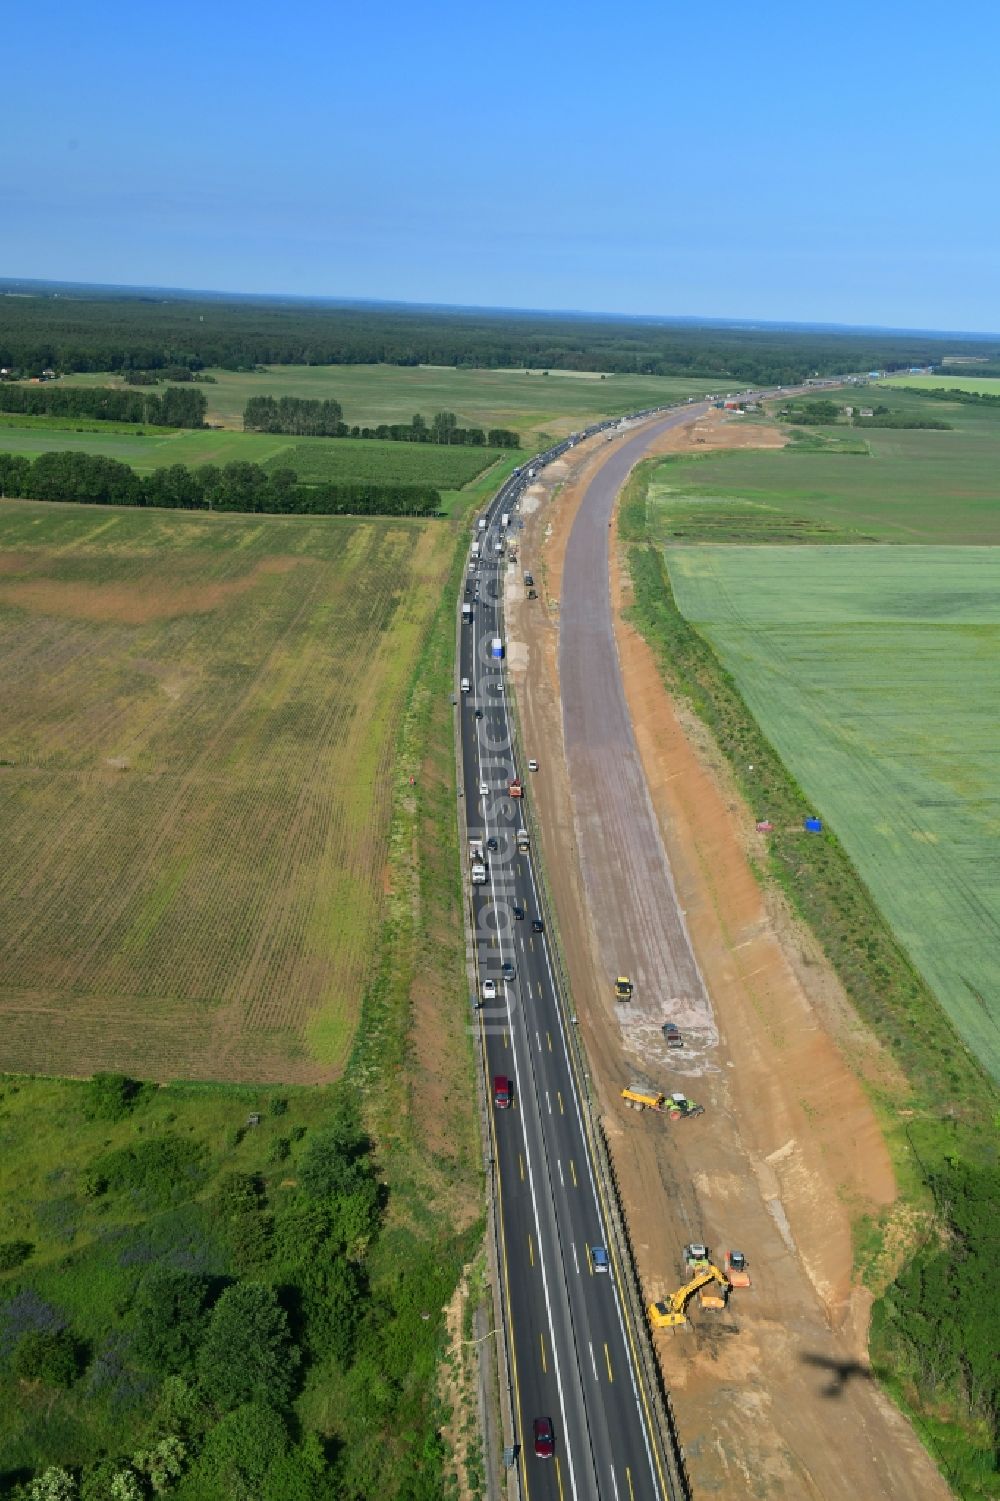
(814, 825)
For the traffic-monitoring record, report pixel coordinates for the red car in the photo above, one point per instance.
(545, 1441)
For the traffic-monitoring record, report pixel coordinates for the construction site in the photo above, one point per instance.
(725, 1057)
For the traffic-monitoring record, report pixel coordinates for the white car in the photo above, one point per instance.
(484, 790)
(532, 765)
(489, 990)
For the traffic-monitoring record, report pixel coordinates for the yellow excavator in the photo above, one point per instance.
(670, 1314)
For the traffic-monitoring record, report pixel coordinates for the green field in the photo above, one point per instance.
(873, 671)
(531, 403)
(195, 777)
(985, 386)
(909, 486)
(313, 459)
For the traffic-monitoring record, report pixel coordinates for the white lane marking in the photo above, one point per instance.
(562, 1180)
(548, 1101)
(531, 1178)
(614, 1482)
(538, 1040)
(593, 1362)
(593, 1186)
(576, 1259)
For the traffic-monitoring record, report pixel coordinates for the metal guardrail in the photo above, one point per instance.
(679, 1485)
(678, 1481)
(650, 1377)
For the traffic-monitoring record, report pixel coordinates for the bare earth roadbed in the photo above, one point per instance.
(773, 1398)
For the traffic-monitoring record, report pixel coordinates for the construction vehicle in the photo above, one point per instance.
(697, 1263)
(623, 988)
(514, 788)
(737, 1269)
(670, 1313)
(679, 1107)
(523, 842)
(639, 1097)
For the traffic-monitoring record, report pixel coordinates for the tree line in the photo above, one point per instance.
(84, 329)
(92, 479)
(176, 407)
(304, 418)
(954, 393)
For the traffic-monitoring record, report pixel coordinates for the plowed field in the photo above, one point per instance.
(198, 722)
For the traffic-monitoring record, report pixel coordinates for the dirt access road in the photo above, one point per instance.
(773, 1398)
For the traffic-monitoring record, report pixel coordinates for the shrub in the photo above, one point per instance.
(171, 1314)
(52, 1356)
(155, 1171)
(247, 1354)
(14, 1253)
(110, 1097)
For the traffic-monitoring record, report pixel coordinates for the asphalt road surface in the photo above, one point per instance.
(571, 1341)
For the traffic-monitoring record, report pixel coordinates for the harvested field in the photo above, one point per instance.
(195, 760)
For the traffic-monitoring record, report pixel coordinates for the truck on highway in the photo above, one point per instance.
(505, 519)
(477, 858)
(523, 842)
(482, 523)
(475, 549)
(496, 649)
(502, 1092)
(515, 788)
(466, 613)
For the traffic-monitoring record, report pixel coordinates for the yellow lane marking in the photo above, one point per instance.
(531, 1249)
(541, 1341)
(572, 1170)
(562, 1110)
(506, 1038)
(607, 1357)
(559, 1478)
(520, 1163)
(549, 1037)
(628, 1477)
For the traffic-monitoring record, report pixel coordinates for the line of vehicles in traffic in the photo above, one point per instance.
(710, 1283)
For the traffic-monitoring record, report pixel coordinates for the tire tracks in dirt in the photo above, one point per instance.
(773, 1398)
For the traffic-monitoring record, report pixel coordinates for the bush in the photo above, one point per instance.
(14, 1253)
(53, 1356)
(248, 1354)
(110, 1097)
(157, 1171)
(171, 1315)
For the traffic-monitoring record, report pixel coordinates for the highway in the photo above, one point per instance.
(572, 1345)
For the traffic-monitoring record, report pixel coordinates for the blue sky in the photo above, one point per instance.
(774, 160)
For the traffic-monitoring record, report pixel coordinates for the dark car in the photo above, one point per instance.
(519, 914)
(479, 713)
(545, 1439)
(491, 843)
(537, 926)
(507, 970)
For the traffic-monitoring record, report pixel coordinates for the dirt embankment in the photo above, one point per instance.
(773, 1398)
